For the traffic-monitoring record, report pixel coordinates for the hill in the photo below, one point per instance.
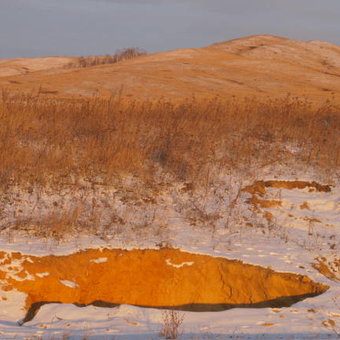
(258, 66)
(198, 180)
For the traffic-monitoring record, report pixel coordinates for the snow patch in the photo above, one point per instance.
(41, 275)
(169, 263)
(69, 284)
(99, 260)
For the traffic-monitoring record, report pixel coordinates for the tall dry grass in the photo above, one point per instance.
(43, 141)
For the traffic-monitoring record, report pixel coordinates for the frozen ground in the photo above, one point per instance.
(304, 226)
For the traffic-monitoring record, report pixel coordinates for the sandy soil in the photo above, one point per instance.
(154, 278)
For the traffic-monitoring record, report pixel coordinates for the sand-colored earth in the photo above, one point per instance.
(21, 66)
(261, 66)
(158, 278)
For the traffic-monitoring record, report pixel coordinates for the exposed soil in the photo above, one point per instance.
(330, 269)
(259, 187)
(151, 278)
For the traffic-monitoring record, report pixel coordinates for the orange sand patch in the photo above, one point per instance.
(259, 187)
(330, 270)
(157, 278)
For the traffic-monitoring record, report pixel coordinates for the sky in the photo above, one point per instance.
(34, 28)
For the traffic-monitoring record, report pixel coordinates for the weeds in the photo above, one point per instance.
(97, 142)
(172, 322)
(120, 55)
(53, 225)
(99, 138)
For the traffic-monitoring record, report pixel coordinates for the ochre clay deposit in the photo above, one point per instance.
(258, 191)
(259, 187)
(328, 267)
(155, 278)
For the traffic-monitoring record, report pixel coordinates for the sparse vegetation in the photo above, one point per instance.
(80, 151)
(172, 322)
(120, 55)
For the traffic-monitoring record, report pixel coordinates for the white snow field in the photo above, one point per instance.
(297, 233)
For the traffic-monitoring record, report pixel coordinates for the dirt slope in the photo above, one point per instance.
(166, 277)
(259, 66)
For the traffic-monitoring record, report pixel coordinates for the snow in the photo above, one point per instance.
(13, 269)
(291, 243)
(99, 260)
(69, 284)
(41, 275)
(180, 265)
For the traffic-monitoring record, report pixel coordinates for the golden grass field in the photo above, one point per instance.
(41, 140)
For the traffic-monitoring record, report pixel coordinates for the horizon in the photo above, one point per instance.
(37, 28)
(154, 52)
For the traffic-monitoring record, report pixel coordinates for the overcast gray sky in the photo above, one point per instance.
(32, 28)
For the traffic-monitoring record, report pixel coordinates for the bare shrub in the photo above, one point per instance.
(120, 55)
(172, 322)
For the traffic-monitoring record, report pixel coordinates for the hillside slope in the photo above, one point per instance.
(259, 66)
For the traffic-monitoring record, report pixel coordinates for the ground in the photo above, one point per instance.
(304, 235)
(162, 230)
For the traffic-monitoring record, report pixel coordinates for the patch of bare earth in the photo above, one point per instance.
(328, 267)
(152, 278)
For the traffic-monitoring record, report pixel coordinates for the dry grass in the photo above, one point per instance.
(54, 225)
(172, 322)
(120, 55)
(42, 141)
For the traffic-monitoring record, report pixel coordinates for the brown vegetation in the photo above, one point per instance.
(120, 55)
(42, 141)
(172, 321)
